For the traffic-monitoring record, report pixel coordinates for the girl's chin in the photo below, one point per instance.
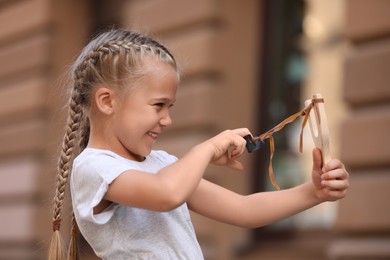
(139, 156)
(144, 153)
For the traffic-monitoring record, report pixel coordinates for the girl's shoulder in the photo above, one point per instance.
(162, 156)
(95, 152)
(99, 165)
(99, 155)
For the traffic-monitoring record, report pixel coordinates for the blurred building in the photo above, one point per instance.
(244, 64)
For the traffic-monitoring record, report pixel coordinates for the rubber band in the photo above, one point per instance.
(56, 224)
(269, 134)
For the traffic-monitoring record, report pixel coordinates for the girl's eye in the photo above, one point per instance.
(159, 104)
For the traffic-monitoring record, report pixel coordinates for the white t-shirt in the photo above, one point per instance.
(122, 232)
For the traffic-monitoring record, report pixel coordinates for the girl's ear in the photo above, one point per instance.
(104, 99)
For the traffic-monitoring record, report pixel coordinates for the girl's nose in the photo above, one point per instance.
(166, 120)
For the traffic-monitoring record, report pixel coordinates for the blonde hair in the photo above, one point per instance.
(112, 58)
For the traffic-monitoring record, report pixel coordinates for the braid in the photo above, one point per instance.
(84, 135)
(75, 113)
(73, 252)
(138, 45)
(108, 59)
(64, 167)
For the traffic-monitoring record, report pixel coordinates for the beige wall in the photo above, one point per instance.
(217, 43)
(364, 216)
(348, 58)
(32, 52)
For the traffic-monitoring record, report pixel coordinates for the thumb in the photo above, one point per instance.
(316, 172)
(317, 160)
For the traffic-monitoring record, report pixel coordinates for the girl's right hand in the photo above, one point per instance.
(227, 147)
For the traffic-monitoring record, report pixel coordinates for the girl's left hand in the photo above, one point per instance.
(330, 182)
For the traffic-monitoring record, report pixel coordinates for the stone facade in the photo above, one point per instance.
(219, 45)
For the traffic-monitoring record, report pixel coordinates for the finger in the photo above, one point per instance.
(236, 152)
(242, 132)
(335, 194)
(340, 174)
(332, 164)
(239, 146)
(335, 184)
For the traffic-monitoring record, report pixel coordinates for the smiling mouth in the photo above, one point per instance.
(153, 134)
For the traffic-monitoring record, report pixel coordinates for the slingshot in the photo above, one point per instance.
(314, 112)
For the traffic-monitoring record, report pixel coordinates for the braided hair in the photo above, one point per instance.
(112, 58)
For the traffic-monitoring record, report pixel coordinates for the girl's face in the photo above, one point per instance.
(144, 112)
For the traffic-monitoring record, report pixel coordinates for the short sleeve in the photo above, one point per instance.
(163, 157)
(91, 177)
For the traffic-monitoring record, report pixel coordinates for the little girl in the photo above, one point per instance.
(131, 202)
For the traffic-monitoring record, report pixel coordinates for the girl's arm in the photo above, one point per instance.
(174, 184)
(264, 208)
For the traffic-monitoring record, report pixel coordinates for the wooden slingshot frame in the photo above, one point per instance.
(319, 130)
(314, 112)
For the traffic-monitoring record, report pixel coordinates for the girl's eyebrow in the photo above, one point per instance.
(164, 100)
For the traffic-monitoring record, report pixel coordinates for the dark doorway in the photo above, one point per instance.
(283, 72)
